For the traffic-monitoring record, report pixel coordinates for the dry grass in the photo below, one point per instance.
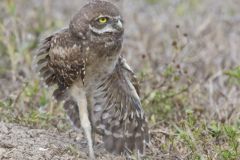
(186, 55)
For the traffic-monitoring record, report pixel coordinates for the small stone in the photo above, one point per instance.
(43, 149)
(3, 128)
(2, 151)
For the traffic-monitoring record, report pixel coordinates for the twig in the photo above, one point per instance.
(163, 132)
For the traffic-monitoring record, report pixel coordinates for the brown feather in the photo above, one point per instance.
(122, 121)
(59, 60)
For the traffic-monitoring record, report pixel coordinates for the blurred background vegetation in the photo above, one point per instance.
(185, 53)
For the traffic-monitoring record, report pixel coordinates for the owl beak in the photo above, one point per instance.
(118, 25)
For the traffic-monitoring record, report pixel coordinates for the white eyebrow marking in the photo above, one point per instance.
(101, 16)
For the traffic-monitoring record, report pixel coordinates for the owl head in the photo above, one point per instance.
(98, 21)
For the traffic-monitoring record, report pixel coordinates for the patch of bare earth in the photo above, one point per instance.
(23, 143)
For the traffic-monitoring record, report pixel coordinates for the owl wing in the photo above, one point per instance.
(118, 113)
(60, 61)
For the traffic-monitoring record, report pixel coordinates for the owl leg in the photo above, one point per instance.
(85, 123)
(93, 136)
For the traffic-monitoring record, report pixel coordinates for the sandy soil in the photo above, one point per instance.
(23, 143)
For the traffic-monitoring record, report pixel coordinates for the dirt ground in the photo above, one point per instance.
(18, 143)
(23, 143)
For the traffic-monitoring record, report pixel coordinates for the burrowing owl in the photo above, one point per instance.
(98, 88)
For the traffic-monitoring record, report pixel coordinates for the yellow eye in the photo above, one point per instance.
(103, 20)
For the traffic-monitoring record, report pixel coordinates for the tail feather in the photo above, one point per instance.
(46, 74)
(43, 60)
(51, 80)
(43, 69)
